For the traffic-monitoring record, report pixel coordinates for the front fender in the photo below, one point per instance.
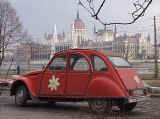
(27, 83)
(104, 87)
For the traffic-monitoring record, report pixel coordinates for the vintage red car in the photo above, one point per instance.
(83, 75)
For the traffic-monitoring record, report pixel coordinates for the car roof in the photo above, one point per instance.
(86, 51)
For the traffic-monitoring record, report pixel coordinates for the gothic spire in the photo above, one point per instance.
(63, 34)
(55, 33)
(149, 37)
(77, 14)
(115, 32)
(55, 29)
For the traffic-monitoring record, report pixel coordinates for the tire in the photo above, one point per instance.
(100, 106)
(21, 96)
(51, 103)
(127, 107)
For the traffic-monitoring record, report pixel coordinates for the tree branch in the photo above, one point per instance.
(139, 11)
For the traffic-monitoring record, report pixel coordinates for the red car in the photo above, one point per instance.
(83, 75)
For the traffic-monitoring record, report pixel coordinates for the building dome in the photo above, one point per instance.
(78, 23)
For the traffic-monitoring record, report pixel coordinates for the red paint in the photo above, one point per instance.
(115, 82)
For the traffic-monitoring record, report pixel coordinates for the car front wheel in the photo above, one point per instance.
(21, 96)
(100, 106)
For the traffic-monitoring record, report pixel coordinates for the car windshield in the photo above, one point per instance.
(119, 62)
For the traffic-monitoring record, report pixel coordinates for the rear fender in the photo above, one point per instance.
(104, 87)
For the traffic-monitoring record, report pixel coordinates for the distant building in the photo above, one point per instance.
(23, 53)
(59, 42)
(76, 39)
(104, 35)
(79, 33)
(33, 52)
(40, 53)
(132, 47)
(145, 47)
(103, 41)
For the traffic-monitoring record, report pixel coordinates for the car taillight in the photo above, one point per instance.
(130, 92)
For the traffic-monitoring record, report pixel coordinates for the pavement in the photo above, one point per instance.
(149, 109)
(144, 110)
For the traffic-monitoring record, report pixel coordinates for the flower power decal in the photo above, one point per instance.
(53, 83)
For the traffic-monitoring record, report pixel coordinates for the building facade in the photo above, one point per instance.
(134, 46)
(104, 35)
(145, 47)
(79, 33)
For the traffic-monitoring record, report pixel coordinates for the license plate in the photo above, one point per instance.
(138, 92)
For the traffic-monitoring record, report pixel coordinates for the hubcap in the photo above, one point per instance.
(99, 105)
(19, 96)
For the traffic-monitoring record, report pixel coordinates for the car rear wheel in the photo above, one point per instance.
(127, 107)
(100, 106)
(21, 96)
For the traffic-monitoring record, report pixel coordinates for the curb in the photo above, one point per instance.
(155, 95)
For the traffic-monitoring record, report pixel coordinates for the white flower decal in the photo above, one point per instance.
(137, 79)
(53, 83)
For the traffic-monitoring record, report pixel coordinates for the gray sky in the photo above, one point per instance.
(39, 16)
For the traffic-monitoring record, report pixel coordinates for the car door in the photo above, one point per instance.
(54, 78)
(78, 75)
(100, 68)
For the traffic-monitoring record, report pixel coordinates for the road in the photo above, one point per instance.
(36, 110)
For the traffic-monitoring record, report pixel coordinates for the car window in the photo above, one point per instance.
(78, 63)
(119, 62)
(59, 63)
(98, 64)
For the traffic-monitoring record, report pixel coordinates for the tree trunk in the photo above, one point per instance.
(2, 50)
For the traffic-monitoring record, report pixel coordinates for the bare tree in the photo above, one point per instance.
(10, 27)
(94, 8)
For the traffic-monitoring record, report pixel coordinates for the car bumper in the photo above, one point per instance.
(138, 99)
